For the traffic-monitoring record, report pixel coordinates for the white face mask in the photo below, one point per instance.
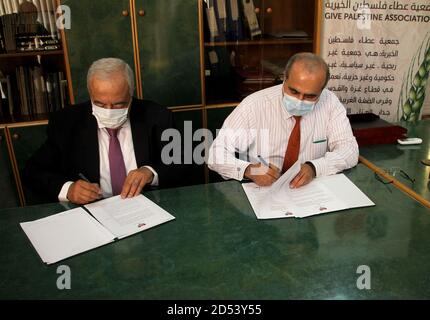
(297, 107)
(110, 118)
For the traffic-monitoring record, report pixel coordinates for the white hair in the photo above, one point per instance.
(105, 68)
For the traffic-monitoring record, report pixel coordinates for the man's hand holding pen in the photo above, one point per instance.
(83, 192)
(262, 175)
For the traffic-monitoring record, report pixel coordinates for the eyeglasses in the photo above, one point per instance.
(393, 173)
(406, 176)
(384, 181)
(396, 172)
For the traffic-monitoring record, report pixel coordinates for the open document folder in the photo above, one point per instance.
(322, 195)
(71, 232)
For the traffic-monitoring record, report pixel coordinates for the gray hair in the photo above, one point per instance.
(312, 62)
(104, 69)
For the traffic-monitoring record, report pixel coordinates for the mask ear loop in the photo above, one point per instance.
(282, 88)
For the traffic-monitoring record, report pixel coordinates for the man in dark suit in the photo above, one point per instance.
(108, 146)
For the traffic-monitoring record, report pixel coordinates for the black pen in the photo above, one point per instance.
(86, 180)
(83, 177)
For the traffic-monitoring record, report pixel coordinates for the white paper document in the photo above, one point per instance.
(66, 234)
(322, 195)
(71, 232)
(124, 217)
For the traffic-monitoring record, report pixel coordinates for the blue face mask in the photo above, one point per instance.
(297, 107)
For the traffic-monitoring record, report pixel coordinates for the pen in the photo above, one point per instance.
(320, 141)
(86, 180)
(83, 177)
(263, 161)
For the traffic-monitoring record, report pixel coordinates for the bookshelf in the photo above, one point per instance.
(35, 80)
(32, 61)
(259, 42)
(10, 197)
(30, 54)
(246, 48)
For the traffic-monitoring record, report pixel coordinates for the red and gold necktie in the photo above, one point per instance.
(292, 153)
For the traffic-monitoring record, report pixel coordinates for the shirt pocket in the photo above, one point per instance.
(319, 146)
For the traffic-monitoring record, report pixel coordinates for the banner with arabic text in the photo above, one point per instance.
(379, 55)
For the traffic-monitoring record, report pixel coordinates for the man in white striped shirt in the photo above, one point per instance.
(259, 130)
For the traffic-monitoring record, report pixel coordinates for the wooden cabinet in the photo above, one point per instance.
(158, 38)
(9, 193)
(100, 28)
(24, 141)
(17, 143)
(239, 64)
(188, 121)
(215, 120)
(169, 51)
(33, 71)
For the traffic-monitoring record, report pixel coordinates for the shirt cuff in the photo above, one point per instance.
(312, 167)
(62, 196)
(320, 167)
(241, 168)
(154, 182)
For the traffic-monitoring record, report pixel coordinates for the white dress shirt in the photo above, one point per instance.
(126, 142)
(261, 126)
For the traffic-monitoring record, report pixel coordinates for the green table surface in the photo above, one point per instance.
(217, 249)
(395, 157)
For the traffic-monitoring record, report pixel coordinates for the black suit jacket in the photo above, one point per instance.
(72, 148)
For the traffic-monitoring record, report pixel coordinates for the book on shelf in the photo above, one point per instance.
(6, 97)
(37, 43)
(38, 92)
(2, 104)
(2, 39)
(23, 106)
(230, 20)
(251, 18)
(214, 23)
(9, 25)
(3, 98)
(63, 89)
(28, 26)
(235, 27)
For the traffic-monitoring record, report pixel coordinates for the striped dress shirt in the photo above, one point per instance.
(261, 126)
